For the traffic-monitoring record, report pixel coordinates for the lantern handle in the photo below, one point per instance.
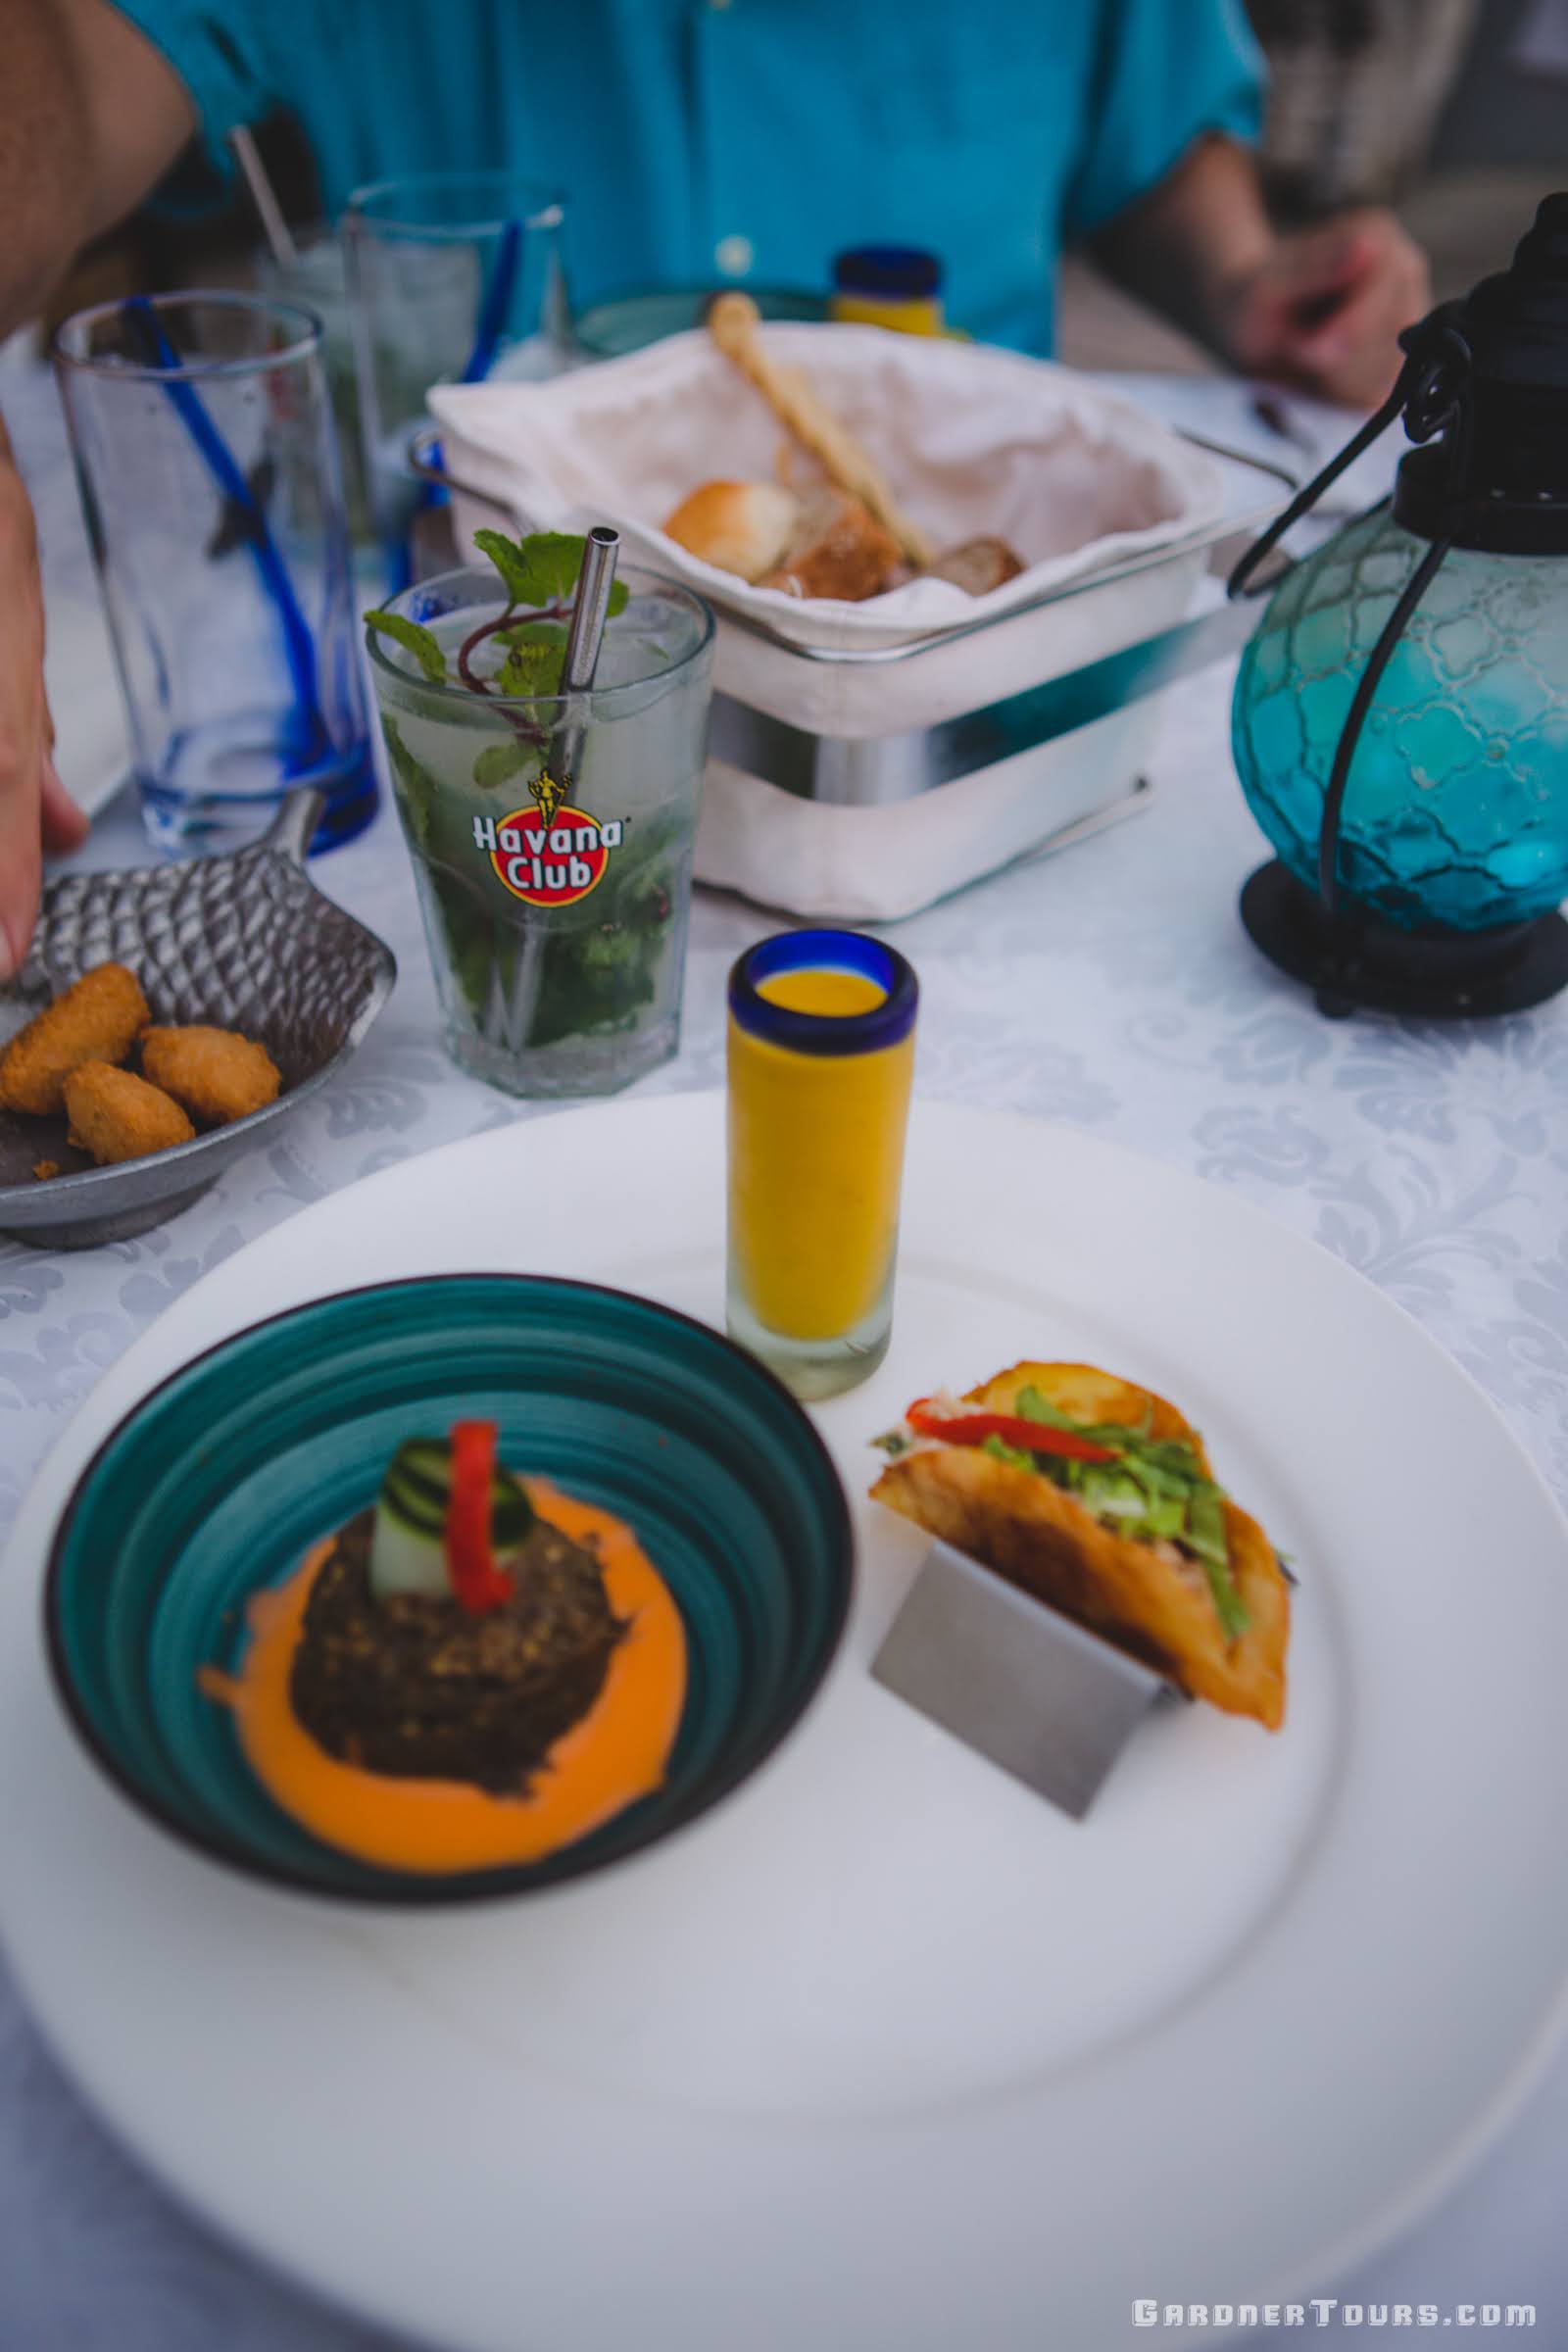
(1306, 497)
(1428, 388)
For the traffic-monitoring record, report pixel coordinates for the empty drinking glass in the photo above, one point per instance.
(202, 432)
(318, 279)
(455, 276)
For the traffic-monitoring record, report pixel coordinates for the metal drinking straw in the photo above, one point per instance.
(591, 609)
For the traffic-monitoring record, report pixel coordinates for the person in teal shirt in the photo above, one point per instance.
(696, 141)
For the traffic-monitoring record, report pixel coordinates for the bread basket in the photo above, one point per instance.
(868, 759)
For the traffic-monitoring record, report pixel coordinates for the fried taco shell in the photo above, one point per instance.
(1148, 1598)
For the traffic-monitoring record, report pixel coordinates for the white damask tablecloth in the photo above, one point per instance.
(1111, 988)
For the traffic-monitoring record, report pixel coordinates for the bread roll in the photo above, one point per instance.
(743, 527)
(837, 549)
(977, 565)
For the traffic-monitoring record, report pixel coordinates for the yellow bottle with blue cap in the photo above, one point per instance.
(888, 286)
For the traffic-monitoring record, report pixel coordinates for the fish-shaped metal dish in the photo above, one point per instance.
(243, 941)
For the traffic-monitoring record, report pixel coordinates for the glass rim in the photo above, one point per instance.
(307, 334)
(824, 1034)
(548, 201)
(595, 697)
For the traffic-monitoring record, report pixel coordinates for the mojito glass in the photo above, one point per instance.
(552, 835)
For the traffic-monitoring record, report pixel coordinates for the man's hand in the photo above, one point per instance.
(92, 116)
(34, 809)
(1318, 308)
(1321, 312)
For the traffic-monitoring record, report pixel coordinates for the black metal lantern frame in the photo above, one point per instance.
(1484, 396)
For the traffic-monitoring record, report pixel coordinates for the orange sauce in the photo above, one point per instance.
(615, 1753)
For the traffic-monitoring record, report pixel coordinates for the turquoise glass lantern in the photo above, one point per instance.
(1400, 718)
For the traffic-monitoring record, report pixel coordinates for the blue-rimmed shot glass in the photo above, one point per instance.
(820, 1057)
(202, 431)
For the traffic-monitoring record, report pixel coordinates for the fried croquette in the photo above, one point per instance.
(216, 1074)
(115, 1116)
(98, 1019)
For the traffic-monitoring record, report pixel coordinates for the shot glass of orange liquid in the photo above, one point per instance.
(821, 1053)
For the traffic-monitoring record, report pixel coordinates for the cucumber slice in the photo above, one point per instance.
(406, 1560)
(408, 1545)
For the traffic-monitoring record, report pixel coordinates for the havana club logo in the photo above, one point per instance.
(550, 853)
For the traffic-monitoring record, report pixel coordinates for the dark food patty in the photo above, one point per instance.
(427, 1690)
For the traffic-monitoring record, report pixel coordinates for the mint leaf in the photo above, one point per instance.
(536, 570)
(530, 670)
(543, 568)
(534, 632)
(416, 640)
(499, 763)
(511, 560)
(552, 561)
(619, 596)
(413, 783)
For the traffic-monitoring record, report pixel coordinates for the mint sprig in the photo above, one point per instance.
(536, 652)
(540, 575)
(540, 569)
(416, 640)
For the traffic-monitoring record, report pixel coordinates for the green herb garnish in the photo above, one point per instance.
(539, 572)
(1155, 1491)
(415, 640)
(499, 763)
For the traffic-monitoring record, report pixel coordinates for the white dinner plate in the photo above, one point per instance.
(884, 2052)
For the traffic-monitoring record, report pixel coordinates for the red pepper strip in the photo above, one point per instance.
(973, 1429)
(478, 1582)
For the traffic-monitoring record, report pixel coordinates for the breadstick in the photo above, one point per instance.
(732, 321)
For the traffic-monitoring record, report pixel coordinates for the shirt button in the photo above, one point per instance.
(734, 256)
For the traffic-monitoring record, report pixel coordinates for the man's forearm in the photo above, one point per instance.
(1194, 237)
(90, 119)
(1319, 308)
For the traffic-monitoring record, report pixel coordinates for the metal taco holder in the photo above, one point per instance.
(1029, 1689)
(1034, 1693)
(882, 770)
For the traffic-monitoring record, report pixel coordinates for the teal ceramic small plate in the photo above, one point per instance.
(630, 321)
(216, 1484)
